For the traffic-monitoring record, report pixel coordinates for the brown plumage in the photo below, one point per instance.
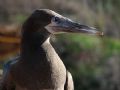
(39, 67)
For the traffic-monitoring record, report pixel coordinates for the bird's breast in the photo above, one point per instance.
(58, 70)
(49, 73)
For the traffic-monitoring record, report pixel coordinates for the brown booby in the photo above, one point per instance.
(39, 67)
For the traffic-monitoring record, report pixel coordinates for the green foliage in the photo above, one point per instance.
(85, 56)
(87, 74)
(19, 18)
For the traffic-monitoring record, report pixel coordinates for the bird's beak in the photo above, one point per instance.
(62, 25)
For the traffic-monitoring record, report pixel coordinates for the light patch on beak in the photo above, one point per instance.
(56, 21)
(60, 24)
(51, 29)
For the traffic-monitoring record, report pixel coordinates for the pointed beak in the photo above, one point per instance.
(66, 25)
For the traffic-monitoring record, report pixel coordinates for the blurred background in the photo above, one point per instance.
(93, 61)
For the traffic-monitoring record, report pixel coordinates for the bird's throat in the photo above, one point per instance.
(31, 45)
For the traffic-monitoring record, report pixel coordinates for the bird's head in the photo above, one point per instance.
(45, 20)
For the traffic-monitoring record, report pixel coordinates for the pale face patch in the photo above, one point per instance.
(50, 27)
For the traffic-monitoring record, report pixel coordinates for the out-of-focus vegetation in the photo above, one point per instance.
(93, 61)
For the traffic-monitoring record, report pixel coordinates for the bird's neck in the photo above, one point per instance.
(31, 45)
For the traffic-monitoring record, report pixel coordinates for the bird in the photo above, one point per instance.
(39, 67)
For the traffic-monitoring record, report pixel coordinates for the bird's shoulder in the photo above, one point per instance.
(9, 64)
(6, 76)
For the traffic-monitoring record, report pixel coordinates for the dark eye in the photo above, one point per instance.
(56, 19)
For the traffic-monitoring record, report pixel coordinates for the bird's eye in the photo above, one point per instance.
(56, 19)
